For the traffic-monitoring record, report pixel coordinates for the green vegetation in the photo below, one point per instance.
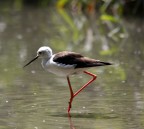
(111, 7)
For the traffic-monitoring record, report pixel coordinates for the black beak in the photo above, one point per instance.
(31, 61)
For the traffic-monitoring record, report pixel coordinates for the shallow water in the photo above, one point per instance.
(31, 98)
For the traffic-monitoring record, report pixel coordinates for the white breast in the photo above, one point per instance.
(58, 69)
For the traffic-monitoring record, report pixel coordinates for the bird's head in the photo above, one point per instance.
(43, 52)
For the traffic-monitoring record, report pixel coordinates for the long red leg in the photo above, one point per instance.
(71, 93)
(84, 86)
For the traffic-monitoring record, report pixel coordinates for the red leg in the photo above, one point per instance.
(71, 93)
(84, 86)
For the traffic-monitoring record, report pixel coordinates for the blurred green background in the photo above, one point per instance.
(108, 30)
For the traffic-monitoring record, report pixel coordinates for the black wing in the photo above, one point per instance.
(76, 59)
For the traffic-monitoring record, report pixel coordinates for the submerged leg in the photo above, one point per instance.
(76, 93)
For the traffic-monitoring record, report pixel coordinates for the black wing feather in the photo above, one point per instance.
(76, 59)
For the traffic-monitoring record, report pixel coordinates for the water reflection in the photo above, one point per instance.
(71, 123)
(30, 98)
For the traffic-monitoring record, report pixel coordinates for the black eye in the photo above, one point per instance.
(40, 53)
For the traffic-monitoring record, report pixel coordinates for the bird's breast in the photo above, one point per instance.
(58, 69)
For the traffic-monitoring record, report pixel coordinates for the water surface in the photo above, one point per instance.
(31, 98)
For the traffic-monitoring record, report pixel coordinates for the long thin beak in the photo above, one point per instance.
(31, 61)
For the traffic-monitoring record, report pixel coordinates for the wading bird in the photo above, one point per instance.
(65, 64)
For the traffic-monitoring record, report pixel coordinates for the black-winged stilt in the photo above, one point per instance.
(67, 63)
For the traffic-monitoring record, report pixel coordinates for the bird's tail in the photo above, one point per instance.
(92, 63)
(101, 63)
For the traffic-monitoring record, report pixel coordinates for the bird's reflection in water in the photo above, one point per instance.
(71, 122)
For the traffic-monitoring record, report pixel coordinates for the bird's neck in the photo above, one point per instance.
(44, 62)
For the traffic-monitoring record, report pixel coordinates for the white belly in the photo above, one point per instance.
(59, 69)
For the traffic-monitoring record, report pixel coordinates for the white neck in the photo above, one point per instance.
(44, 61)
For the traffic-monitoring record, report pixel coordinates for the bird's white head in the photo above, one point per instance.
(44, 52)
